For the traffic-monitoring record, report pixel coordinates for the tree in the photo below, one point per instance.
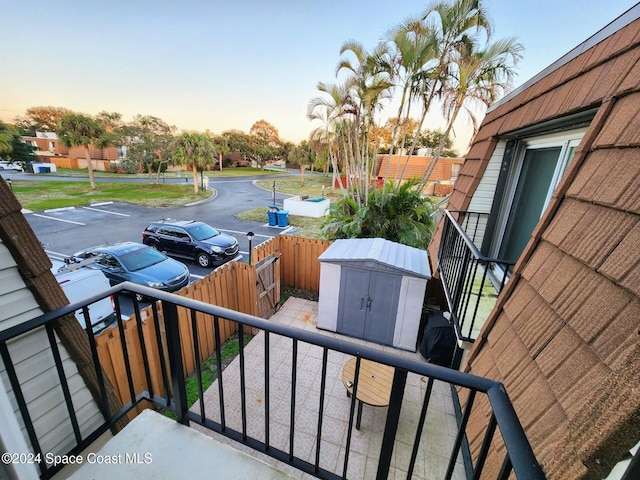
(395, 212)
(264, 142)
(195, 149)
(412, 46)
(41, 119)
(328, 111)
(78, 130)
(22, 152)
(221, 147)
(265, 133)
(152, 142)
(442, 27)
(238, 141)
(431, 139)
(6, 139)
(384, 133)
(303, 156)
(480, 77)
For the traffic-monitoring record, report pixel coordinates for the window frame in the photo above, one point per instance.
(568, 140)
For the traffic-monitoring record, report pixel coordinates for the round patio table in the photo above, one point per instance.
(374, 383)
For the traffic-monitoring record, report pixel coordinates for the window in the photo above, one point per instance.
(538, 167)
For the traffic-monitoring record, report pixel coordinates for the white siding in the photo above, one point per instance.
(329, 296)
(483, 196)
(409, 313)
(37, 373)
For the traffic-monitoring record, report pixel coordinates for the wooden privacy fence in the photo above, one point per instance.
(232, 286)
(253, 289)
(299, 265)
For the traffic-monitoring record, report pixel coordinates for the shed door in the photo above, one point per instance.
(368, 304)
(352, 312)
(382, 307)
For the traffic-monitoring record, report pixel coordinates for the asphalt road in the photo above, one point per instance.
(66, 231)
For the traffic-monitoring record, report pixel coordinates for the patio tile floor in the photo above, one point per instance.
(437, 438)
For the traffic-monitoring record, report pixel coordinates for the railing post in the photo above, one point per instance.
(391, 426)
(174, 350)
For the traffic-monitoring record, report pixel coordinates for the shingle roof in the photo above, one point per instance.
(563, 336)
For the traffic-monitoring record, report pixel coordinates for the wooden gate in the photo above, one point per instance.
(268, 284)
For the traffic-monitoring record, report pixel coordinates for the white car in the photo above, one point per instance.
(79, 282)
(11, 166)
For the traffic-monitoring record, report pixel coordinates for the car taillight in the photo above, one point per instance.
(113, 304)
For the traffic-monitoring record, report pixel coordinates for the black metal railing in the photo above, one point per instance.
(172, 397)
(471, 281)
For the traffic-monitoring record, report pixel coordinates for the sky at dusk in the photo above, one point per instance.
(221, 65)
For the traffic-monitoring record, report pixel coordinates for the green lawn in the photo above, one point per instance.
(292, 185)
(41, 195)
(226, 172)
(309, 227)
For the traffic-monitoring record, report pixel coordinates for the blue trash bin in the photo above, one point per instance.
(272, 215)
(283, 218)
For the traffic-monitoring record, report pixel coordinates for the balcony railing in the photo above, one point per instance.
(170, 395)
(471, 281)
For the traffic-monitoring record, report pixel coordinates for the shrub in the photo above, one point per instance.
(129, 165)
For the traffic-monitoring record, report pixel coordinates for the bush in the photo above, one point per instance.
(113, 167)
(129, 166)
(396, 213)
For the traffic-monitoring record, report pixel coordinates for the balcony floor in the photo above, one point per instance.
(437, 438)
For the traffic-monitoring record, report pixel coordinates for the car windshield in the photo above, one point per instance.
(203, 231)
(142, 258)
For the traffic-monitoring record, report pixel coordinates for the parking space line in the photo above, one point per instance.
(196, 276)
(106, 211)
(57, 219)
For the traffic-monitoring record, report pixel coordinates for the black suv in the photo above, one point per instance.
(196, 241)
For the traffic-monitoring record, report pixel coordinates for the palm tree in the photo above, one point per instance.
(221, 147)
(395, 212)
(443, 26)
(302, 155)
(196, 149)
(368, 87)
(329, 111)
(412, 46)
(479, 77)
(78, 130)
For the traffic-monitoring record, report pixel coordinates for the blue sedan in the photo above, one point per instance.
(137, 263)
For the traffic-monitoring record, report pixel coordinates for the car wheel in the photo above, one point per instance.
(203, 260)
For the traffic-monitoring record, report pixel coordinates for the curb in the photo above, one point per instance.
(199, 202)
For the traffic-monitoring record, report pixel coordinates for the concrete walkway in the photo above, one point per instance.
(437, 438)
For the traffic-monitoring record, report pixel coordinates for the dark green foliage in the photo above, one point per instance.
(396, 213)
(155, 167)
(22, 152)
(129, 165)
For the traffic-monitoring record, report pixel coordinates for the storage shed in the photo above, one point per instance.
(372, 288)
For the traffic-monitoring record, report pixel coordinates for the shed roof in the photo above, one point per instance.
(406, 259)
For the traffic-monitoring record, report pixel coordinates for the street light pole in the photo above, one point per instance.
(274, 192)
(250, 238)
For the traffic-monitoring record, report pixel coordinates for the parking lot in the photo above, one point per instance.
(66, 231)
